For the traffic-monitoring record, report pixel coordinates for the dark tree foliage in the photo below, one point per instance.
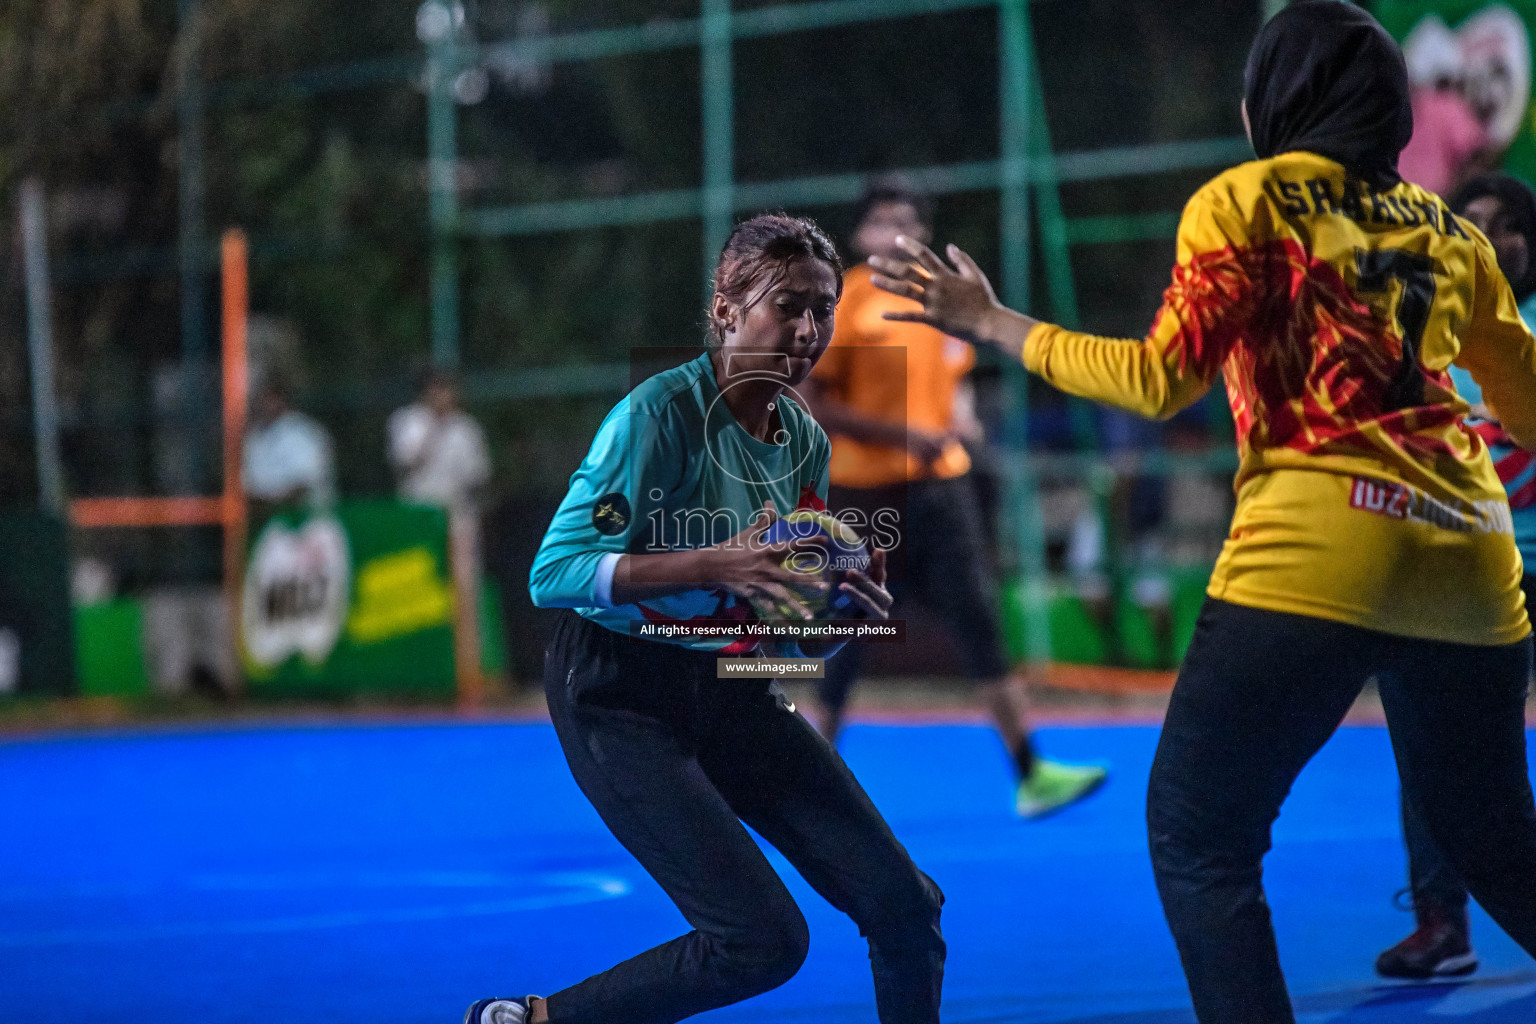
(331, 186)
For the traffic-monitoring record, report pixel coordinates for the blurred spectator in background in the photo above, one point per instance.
(288, 459)
(439, 454)
(888, 394)
(437, 450)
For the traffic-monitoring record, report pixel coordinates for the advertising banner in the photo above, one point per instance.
(355, 599)
(1469, 68)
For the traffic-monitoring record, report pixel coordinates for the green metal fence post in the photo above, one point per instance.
(715, 76)
(1014, 113)
(192, 230)
(1054, 244)
(1055, 231)
(45, 405)
(437, 26)
(1015, 55)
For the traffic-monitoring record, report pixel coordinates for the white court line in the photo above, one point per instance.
(570, 889)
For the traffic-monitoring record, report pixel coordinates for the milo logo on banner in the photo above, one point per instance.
(354, 599)
(297, 589)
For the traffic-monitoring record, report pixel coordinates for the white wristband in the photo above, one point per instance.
(602, 582)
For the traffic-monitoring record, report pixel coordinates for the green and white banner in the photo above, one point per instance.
(358, 598)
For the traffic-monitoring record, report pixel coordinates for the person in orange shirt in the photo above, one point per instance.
(893, 398)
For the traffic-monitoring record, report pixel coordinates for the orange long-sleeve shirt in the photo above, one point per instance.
(1333, 312)
(892, 372)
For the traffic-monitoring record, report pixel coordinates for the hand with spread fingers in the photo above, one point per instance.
(868, 589)
(957, 300)
(869, 594)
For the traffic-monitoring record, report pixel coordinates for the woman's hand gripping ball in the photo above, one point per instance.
(756, 567)
(854, 576)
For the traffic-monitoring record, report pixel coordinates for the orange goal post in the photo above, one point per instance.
(227, 510)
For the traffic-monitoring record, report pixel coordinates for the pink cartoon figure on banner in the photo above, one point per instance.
(1470, 88)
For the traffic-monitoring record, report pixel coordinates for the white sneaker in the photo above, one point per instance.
(500, 1011)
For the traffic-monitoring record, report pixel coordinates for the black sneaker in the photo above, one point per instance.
(500, 1011)
(1440, 947)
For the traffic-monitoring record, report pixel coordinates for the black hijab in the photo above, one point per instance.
(1324, 76)
(1519, 203)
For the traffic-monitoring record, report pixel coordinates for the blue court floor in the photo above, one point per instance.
(390, 874)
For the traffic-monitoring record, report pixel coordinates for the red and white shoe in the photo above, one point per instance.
(1440, 947)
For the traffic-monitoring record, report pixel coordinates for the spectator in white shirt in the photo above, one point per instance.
(440, 456)
(287, 456)
(437, 449)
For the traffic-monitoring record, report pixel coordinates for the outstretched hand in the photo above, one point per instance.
(957, 300)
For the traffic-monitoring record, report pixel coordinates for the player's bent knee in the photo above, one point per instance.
(771, 955)
(1174, 839)
(1184, 838)
(907, 918)
(919, 925)
(1170, 853)
(928, 907)
(1197, 858)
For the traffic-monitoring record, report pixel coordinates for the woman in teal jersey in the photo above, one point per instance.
(1503, 208)
(662, 526)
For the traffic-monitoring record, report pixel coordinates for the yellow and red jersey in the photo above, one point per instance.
(893, 372)
(1334, 311)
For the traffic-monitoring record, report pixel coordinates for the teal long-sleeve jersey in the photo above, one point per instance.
(672, 470)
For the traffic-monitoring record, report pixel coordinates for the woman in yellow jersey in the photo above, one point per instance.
(1371, 537)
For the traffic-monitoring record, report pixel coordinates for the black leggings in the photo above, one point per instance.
(1431, 878)
(675, 760)
(1258, 695)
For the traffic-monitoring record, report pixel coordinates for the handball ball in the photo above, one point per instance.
(843, 551)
